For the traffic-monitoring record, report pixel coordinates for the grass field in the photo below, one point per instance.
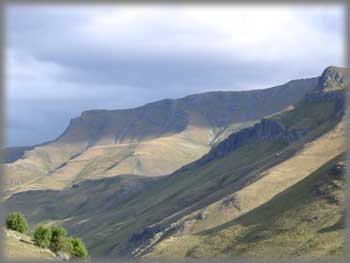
(306, 220)
(20, 247)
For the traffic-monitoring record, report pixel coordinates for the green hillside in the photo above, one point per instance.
(306, 220)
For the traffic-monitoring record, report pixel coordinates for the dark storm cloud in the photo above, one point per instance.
(61, 61)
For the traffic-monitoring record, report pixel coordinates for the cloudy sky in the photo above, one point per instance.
(62, 60)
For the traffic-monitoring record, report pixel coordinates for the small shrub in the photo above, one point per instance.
(77, 248)
(58, 239)
(17, 222)
(42, 236)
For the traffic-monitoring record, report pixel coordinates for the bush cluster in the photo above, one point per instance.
(54, 238)
(77, 247)
(42, 236)
(58, 239)
(17, 222)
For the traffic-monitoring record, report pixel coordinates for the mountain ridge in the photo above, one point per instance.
(198, 100)
(145, 140)
(188, 199)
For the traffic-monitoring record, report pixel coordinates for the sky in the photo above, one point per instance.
(61, 60)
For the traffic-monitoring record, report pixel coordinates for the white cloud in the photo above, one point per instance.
(28, 78)
(251, 33)
(65, 59)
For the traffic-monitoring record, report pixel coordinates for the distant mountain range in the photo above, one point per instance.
(212, 174)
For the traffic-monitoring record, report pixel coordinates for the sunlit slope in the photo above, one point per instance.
(21, 247)
(275, 180)
(152, 158)
(155, 139)
(305, 220)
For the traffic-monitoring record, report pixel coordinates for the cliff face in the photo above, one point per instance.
(103, 127)
(333, 78)
(267, 129)
(277, 128)
(214, 111)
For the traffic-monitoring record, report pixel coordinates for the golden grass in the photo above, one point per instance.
(275, 180)
(300, 222)
(17, 250)
(153, 157)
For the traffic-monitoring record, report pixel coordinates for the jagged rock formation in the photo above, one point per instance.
(333, 78)
(273, 129)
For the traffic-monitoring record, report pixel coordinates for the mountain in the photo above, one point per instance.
(240, 174)
(12, 154)
(153, 140)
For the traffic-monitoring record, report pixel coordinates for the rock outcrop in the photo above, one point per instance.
(333, 76)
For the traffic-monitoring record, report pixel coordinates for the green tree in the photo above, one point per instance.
(17, 222)
(77, 248)
(58, 239)
(42, 236)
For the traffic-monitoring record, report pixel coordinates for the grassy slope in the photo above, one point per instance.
(305, 220)
(299, 166)
(16, 249)
(104, 161)
(121, 219)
